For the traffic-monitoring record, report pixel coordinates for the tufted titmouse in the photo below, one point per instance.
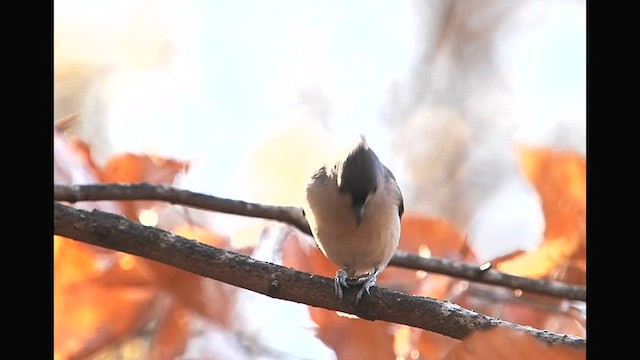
(354, 207)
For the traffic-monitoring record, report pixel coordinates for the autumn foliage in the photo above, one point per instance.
(110, 302)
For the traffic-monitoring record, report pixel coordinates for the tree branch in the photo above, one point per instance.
(143, 191)
(118, 233)
(294, 216)
(490, 276)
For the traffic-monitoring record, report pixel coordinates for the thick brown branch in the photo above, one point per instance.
(294, 216)
(117, 233)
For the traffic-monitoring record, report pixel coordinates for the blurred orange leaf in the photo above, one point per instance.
(131, 168)
(300, 252)
(551, 254)
(354, 338)
(414, 343)
(101, 297)
(89, 312)
(194, 292)
(503, 343)
(171, 334)
(73, 262)
(432, 345)
(73, 164)
(441, 237)
(126, 269)
(428, 237)
(91, 317)
(560, 179)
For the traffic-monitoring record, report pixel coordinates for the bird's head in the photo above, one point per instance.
(359, 175)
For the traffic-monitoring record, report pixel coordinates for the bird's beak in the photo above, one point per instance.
(359, 210)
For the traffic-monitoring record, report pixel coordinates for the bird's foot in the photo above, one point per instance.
(343, 280)
(340, 282)
(367, 282)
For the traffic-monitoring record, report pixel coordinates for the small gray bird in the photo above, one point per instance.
(354, 207)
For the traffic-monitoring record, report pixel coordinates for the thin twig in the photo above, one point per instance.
(118, 233)
(491, 276)
(143, 191)
(294, 216)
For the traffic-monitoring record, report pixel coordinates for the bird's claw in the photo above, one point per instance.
(343, 280)
(340, 282)
(367, 283)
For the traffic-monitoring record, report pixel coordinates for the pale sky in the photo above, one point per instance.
(236, 70)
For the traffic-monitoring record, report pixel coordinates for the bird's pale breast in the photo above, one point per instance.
(358, 248)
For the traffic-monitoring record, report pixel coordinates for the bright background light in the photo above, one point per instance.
(211, 81)
(436, 93)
